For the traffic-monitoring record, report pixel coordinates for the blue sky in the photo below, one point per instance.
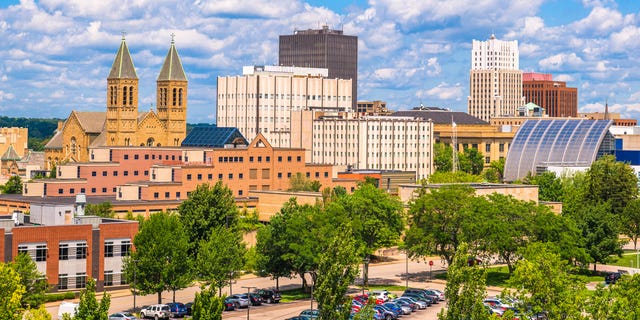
(56, 54)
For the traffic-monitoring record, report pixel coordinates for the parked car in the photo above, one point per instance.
(437, 293)
(419, 303)
(435, 298)
(177, 309)
(380, 294)
(611, 278)
(156, 311)
(269, 296)
(189, 306)
(239, 300)
(405, 303)
(397, 307)
(386, 313)
(310, 314)
(420, 296)
(122, 316)
(228, 304)
(256, 299)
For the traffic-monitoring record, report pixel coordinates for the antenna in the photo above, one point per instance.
(454, 142)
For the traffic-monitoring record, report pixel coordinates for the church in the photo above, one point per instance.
(122, 124)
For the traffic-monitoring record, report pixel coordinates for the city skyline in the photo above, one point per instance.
(57, 54)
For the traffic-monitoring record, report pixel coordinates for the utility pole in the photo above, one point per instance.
(249, 297)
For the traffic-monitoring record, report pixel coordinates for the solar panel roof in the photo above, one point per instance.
(559, 142)
(212, 137)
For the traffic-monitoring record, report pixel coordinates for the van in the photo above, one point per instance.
(67, 307)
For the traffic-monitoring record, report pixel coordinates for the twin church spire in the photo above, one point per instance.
(123, 121)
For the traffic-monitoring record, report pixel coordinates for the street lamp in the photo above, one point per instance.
(312, 284)
(365, 273)
(249, 297)
(406, 272)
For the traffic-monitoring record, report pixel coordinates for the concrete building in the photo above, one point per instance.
(263, 99)
(495, 79)
(68, 247)
(521, 192)
(554, 96)
(377, 108)
(615, 116)
(369, 142)
(18, 138)
(323, 48)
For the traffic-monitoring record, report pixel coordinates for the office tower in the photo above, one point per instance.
(323, 48)
(554, 96)
(495, 81)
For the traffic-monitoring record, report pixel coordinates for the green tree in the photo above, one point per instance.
(32, 280)
(207, 306)
(376, 217)
(560, 231)
(465, 289)
(620, 301)
(37, 314)
(104, 209)
(436, 219)
(471, 161)
(550, 186)
(271, 248)
(54, 171)
(545, 282)
(11, 292)
(89, 308)
(207, 207)
(337, 270)
(453, 177)
(442, 157)
(299, 182)
(630, 221)
(611, 181)
(220, 258)
(13, 185)
(161, 259)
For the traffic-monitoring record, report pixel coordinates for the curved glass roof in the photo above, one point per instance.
(558, 142)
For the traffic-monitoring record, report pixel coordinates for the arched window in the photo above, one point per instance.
(131, 95)
(150, 142)
(174, 96)
(180, 97)
(74, 146)
(124, 96)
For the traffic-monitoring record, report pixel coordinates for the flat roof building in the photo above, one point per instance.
(554, 96)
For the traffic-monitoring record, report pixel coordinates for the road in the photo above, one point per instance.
(385, 273)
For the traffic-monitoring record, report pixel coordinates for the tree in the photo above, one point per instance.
(465, 289)
(11, 292)
(89, 308)
(37, 314)
(560, 231)
(32, 280)
(453, 177)
(104, 209)
(299, 182)
(54, 171)
(550, 186)
(442, 157)
(620, 301)
(271, 247)
(630, 221)
(13, 185)
(220, 257)
(544, 282)
(337, 270)
(610, 181)
(161, 259)
(207, 207)
(207, 306)
(471, 161)
(436, 221)
(376, 217)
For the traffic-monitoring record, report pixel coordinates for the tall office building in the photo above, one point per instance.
(554, 96)
(323, 48)
(495, 81)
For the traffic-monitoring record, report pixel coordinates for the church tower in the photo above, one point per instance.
(122, 100)
(171, 95)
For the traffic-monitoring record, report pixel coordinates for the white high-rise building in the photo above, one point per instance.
(263, 98)
(495, 79)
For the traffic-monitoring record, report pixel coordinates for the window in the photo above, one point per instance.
(210, 176)
(487, 147)
(308, 174)
(63, 252)
(81, 280)
(108, 249)
(104, 173)
(279, 175)
(239, 192)
(125, 173)
(93, 190)
(317, 174)
(115, 173)
(135, 157)
(259, 158)
(156, 195)
(219, 176)
(114, 189)
(240, 175)
(288, 174)
(279, 158)
(167, 195)
(230, 176)
(289, 158)
(326, 174)
(199, 176)
(298, 158)
(63, 281)
(501, 147)
(126, 157)
(250, 159)
(93, 173)
(41, 252)
(135, 173)
(487, 159)
(72, 190)
(82, 190)
(178, 195)
(81, 250)
(125, 248)
(189, 177)
(108, 278)
(268, 159)
(104, 190)
(253, 173)
(146, 172)
(146, 157)
(60, 191)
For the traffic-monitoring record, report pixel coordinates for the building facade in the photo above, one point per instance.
(123, 124)
(16, 137)
(495, 80)
(263, 99)
(370, 142)
(554, 96)
(323, 48)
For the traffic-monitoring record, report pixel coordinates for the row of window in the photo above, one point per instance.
(66, 281)
(153, 157)
(67, 251)
(115, 173)
(258, 158)
(83, 190)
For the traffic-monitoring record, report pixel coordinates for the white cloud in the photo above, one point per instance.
(6, 96)
(249, 8)
(442, 91)
(564, 77)
(600, 21)
(561, 61)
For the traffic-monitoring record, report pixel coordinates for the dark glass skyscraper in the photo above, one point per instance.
(323, 48)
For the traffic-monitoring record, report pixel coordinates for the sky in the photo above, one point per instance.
(56, 54)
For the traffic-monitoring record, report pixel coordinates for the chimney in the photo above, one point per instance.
(60, 124)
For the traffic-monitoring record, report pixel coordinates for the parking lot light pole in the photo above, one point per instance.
(135, 266)
(365, 275)
(249, 297)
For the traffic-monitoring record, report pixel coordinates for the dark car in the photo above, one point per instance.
(269, 296)
(229, 304)
(612, 277)
(177, 309)
(433, 296)
(189, 306)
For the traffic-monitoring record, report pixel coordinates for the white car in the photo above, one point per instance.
(156, 311)
(69, 308)
(380, 294)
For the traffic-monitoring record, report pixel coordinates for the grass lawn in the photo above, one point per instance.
(294, 295)
(627, 260)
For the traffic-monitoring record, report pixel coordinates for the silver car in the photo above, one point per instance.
(122, 316)
(239, 300)
(421, 304)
